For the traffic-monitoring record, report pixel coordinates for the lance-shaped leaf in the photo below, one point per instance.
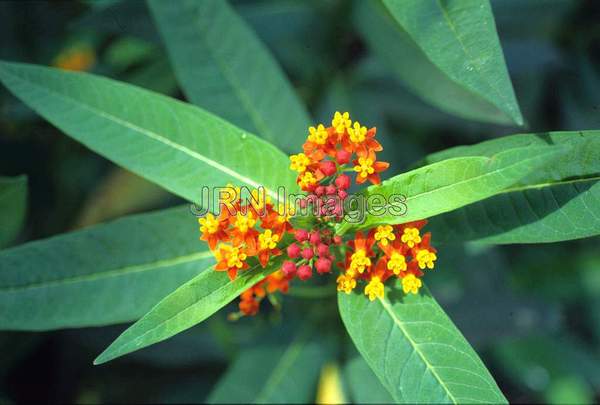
(224, 68)
(187, 306)
(446, 52)
(176, 145)
(445, 186)
(415, 350)
(558, 203)
(287, 373)
(552, 212)
(13, 205)
(107, 274)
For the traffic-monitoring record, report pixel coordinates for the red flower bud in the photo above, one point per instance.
(301, 235)
(304, 272)
(328, 167)
(288, 268)
(293, 251)
(338, 210)
(323, 265)
(330, 190)
(343, 156)
(319, 191)
(337, 239)
(323, 250)
(343, 181)
(307, 253)
(342, 194)
(315, 238)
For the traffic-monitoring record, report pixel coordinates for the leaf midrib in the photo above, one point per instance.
(128, 343)
(257, 120)
(143, 131)
(478, 177)
(138, 268)
(416, 348)
(470, 58)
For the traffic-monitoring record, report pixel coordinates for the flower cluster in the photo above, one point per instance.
(327, 154)
(384, 252)
(246, 235)
(245, 232)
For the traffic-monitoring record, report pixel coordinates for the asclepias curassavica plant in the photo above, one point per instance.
(374, 245)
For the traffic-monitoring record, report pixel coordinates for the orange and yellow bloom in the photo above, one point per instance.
(252, 234)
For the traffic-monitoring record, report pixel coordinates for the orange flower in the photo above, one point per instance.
(230, 259)
(213, 229)
(278, 220)
(267, 246)
(243, 230)
(277, 282)
(361, 140)
(359, 259)
(424, 254)
(368, 168)
(395, 254)
(321, 142)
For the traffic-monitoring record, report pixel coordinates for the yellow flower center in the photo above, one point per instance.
(357, 133)
(244, 222)
(411, 237)
(317, 135)
(384, 234)
(411, 284)
(359, 261)
(397, 263)
(299, 162)
(426, 258)
(307, 179)
(374, 289)
(364, 167)
(346, 283)
(268, 240)
(341, 121)
(285, 213)
(209, 224)
(236, 258)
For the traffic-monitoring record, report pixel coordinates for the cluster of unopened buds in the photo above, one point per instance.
(256, 232)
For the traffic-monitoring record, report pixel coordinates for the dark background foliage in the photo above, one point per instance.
(531, 311)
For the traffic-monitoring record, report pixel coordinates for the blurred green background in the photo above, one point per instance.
(531, 311)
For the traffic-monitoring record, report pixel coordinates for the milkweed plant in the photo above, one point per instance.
(329, 216)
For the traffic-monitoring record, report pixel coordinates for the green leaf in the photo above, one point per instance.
(187, 306)
(101, 275)
(446, 185)
(448, 53)
(363, 385)
(274, 373)
(415, 350)
(548, 213)
(223, 67)
(13, 205)
(558, 203)
(174, 144)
